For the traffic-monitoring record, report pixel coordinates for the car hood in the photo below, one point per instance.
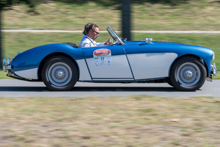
(161, 44)
(155, 42)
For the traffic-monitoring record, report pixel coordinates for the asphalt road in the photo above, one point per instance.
(17, 88)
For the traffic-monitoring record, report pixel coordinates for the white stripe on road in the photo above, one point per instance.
(134, 31)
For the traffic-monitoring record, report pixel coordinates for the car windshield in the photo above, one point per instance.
(114, 35)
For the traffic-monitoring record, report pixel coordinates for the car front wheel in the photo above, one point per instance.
(59, 73)
(188, 74)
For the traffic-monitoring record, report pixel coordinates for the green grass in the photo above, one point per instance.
(94, 121)
(192, 15)
(3, 75)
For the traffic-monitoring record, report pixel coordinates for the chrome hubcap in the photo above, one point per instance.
(188, 74)
(60, 74)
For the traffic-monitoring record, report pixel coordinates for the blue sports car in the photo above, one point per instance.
(61, 65)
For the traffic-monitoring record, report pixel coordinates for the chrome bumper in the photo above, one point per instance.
(214, 70)
(6, 64)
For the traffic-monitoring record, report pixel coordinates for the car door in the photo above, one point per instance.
(107, 63)
(147, 62)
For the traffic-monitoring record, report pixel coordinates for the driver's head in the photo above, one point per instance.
(91, 30)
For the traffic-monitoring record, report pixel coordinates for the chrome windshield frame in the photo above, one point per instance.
(114, 35)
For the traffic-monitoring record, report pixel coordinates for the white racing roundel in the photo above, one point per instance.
(102, 57)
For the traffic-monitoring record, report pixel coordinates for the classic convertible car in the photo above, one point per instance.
(61, 65)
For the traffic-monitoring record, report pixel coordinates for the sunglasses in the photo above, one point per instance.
(96, 32)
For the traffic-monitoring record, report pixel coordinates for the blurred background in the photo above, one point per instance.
(149, 15)
(133, 121)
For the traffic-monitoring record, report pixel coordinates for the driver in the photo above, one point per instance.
(91, 32)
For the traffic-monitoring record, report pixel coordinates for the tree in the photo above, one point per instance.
(9, 3)
(126, 19)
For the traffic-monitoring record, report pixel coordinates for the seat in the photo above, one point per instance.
(72, 44)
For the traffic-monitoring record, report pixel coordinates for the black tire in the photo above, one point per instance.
(170, 83)
(59, 73)
(188, 74)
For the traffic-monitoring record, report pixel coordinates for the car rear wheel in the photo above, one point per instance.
(188, 74)
(59, 73)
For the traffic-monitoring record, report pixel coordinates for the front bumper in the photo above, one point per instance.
(6, 64)
(214, 69)
(213, 72)
(8, 68)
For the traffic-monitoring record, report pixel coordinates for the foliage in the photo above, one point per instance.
(32, 3)
(116, 2)
(9, 3)
(112, 2)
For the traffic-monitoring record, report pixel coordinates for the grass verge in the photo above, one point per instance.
(192, 15)
(130, 121)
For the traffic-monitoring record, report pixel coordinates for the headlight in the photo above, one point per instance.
(8, 61)
(213, 56)
(4, 62)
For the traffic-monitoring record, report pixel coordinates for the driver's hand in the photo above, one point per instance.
(109, 42)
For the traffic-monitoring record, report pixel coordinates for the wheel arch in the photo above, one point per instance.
(51, 55)
(189, 55)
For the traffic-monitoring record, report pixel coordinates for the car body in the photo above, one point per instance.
(61, 65)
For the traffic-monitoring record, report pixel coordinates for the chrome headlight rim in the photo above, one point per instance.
(213, 56)
(4, 62)
(8, 61)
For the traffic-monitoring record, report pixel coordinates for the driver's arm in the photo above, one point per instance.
(100, 44)
(108, 42)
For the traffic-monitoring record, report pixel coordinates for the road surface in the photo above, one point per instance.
(18, 88)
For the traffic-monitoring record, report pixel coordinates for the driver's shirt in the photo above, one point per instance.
(88, 42)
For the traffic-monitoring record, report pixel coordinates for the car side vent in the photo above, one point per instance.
(72, 44)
